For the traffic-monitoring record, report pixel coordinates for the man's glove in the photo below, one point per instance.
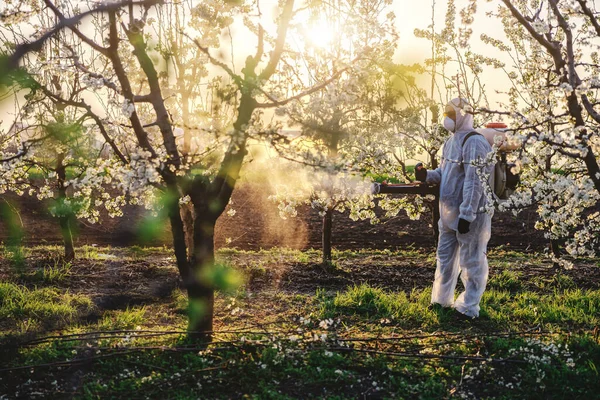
(420, 172)
(463, 226)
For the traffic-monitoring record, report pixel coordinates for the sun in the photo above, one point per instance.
(319, 33)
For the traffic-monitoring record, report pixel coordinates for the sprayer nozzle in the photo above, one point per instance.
(375, 188)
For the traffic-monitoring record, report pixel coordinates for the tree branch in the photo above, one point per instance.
(552, 48)
(84, 69)
(20, 154)
(260, 46)
(284, 23)
(90, 113)
(113, 55)
(573, 77)
(23, 49)
(236, 78)
(76, 31)
(279, 103)
(590, 108)
(590, 15)
(155, 97)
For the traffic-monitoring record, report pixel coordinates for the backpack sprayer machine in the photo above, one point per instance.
(502, 181)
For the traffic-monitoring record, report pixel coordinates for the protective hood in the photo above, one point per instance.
(464, 116)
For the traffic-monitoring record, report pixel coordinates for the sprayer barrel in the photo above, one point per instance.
(409, 188)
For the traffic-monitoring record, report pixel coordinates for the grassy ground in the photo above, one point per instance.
(111, 325)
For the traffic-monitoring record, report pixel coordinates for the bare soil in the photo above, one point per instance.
(256, 224)
(114, 280)
(117, 281)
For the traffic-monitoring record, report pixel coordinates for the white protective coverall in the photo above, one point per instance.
(461, 196)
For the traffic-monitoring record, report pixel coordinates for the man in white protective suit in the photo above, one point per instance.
(464, 228)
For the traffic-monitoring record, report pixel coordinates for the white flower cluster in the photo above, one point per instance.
(540, 26)
(286, 205)
(184, 200)
(540, 354)
(413, 205)
(127, 108)
(324, 192)
(11, 174)
(92, 82)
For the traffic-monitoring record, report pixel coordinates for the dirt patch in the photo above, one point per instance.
(397, 277)
(255, 227)
(111, 284)
(254, 223)
(123, 280)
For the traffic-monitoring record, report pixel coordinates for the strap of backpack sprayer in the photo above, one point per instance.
(472, 133)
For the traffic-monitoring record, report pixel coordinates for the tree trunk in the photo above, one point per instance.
(592, 167)
(201, 300)
(187, 216)
(179, 241)
(554, 244)
(433, 160)
(326, 238)
(201, 292)
(67, 234)
(209, 200)
(195, 271)
(65, 215)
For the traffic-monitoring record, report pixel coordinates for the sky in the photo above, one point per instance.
(410, 14)
(417, 14)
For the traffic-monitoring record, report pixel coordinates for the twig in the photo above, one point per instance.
(65, 363)
(448, 334)
(430, 356)
(24, 48)
(122, 333)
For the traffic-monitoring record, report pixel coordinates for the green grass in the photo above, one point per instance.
(406, 252)
(537, 336)
(89, 252)
(180, 300)
(279, 254)
(122, 319)
(506, 280)
(557, 281)
(17, 256)
(377, 304)
(57, 273)
(508, 255)
(561, 310)
(272, 254)
(276, 366)
(137, 253)
(47, 305)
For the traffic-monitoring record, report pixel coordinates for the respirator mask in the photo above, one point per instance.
(450, 118)
(449, 124)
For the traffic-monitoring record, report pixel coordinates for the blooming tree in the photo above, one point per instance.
(552, 108)
(169, 103)
(54, 157)
(549, 58)
(349, 124)
(452, 70)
